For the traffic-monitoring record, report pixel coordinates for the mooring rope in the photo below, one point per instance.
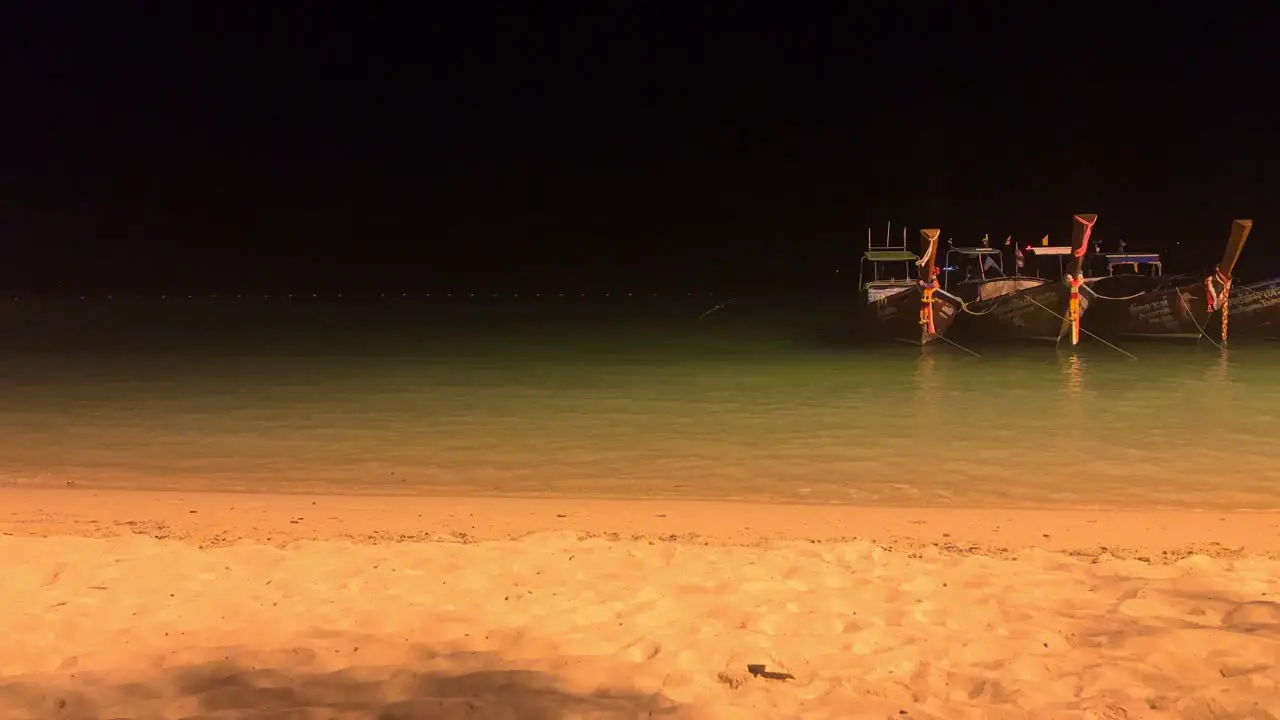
(996, 302)
(1194, 321)
(1111, 345)
(1100, 296)
(999, 300)
(717, 307)
(927, 301)
(956, 344)
(1248, 289)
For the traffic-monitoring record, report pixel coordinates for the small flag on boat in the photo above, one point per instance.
(1044, 241)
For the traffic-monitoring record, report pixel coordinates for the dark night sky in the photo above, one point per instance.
(154, 147)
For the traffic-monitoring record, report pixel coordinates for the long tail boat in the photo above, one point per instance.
(1186, 310)
(978, 272)
(1254, 310)
(910, 308)
(1044, 310)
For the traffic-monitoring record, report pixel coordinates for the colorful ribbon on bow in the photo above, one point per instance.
(926, 305)
(1073, 311)
(1215, 299)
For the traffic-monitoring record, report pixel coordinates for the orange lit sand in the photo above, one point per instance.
(170, 605)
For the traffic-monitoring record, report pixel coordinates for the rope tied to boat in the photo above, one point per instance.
(1225, 300)
(1215, 299)
(1073, 313)
(991, 307)
(927, 289)
(1182, 299)
(1100, 296)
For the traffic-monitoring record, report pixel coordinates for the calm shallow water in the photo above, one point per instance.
(625, 397)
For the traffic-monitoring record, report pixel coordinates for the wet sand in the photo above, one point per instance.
(170, 605)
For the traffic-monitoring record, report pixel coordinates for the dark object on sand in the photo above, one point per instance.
(759, 671)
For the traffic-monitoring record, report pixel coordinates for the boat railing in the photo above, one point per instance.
(881, 258)
(1135, 260)
(1060, 253)
(877, 289)
(980, 255)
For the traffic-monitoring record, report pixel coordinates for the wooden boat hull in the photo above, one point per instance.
(972, 292)
(1034, 313)
(1123, 287)
(1253, 312)
(1188, 310)
(1180, 312)
(896, 317)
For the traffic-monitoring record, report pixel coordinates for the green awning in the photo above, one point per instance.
(890, 256)
(974, 251)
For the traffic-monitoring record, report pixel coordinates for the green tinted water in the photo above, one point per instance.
(622, 399)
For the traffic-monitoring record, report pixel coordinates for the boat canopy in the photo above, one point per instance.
(1134, 260)
(890, 256)
(1131, 258)
(972, 264)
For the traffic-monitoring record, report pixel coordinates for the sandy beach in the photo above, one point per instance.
(131, 604)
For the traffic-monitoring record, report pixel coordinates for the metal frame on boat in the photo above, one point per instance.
(983, 287)
(907, 309)
(976, 258)
(1136, 260)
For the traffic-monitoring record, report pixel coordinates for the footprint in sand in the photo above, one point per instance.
(1253, 616)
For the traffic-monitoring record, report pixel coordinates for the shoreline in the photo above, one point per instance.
(211, 518)
(893, 497)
